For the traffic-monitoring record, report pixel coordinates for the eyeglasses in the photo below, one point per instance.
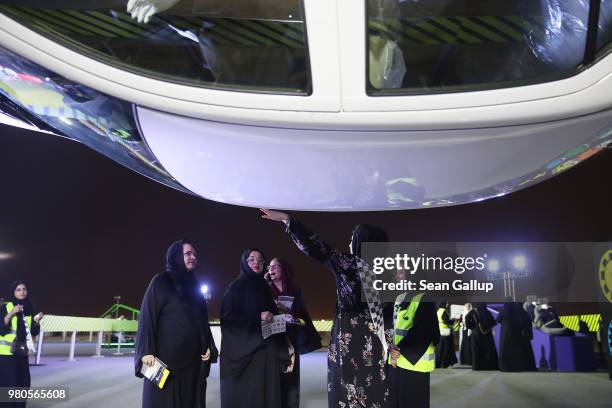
(256, 260)
(273, 267)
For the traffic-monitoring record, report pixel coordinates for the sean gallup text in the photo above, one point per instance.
(423, 284)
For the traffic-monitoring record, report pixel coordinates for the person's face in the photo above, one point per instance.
(400, 275)
(255, 261)
(275, 270)
(21, 292)
(189, 257)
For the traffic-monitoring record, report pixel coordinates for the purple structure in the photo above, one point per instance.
(557, 353)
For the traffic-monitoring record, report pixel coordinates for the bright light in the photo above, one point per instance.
(493, 265)
(519, 262)
(204, 289)
(5, 255)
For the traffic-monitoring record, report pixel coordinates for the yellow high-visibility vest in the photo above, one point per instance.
(403, 320)
(440, 321)
(7, 339)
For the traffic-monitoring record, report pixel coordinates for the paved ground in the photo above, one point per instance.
(109, 382)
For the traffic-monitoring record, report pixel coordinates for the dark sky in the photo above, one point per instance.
(85, 229)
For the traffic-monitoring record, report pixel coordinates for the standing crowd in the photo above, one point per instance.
(370, 364)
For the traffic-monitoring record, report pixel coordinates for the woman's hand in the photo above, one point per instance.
(206, 357)
(16, 309)
(38, 317)
(281, 308)
(274, 215)
(266, 316)
(395, 354)
(9, 315)
(149, 360)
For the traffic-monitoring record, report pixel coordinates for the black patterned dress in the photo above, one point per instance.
(355, 362)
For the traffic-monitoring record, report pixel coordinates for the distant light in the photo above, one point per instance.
(204, 289)
(519, 262)
(5, 255)
(493, 265)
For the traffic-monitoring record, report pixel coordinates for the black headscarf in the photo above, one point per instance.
(184, 281)
(516, 318)
(28, 308)
(257, 279)
(243, 302)
(245, 269)
(485, 317)
(510, 314)
(367, 233)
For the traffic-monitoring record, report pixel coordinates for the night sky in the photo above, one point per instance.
(84, 229)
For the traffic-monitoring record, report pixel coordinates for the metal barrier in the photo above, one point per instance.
(74, 324)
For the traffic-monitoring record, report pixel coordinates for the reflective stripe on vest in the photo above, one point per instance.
(456, 326)
(403, 320)
(440, 321)
(7, 339)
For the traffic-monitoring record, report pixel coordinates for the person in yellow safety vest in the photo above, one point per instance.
(445, 350)
(18, 321)
(411, 359)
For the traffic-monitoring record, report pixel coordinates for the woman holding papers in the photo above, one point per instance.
(289, 299)
(355, 358)
(251, 366)
(173, 328)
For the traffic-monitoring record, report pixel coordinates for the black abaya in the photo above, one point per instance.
(484, 353)
(304, 340)
(465, 350)
(515, 351)
(408, 388)
(445, 350)
(15, 370)
(250, 365)
(174, 327)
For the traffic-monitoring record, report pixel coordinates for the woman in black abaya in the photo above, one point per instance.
(484, 354)
(251, 366)
(515, 351)
(174, 327)
(19, 321)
